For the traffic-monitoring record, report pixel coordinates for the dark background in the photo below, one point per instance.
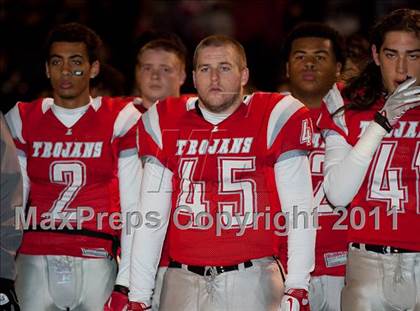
(259, 25)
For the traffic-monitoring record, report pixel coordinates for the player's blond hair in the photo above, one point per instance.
(218, 41)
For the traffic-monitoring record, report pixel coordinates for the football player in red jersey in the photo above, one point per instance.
(315, 58)
(160, 70)
(372, 162)
(10, 199)
(217, 167)
(160, 73)
(76, 153)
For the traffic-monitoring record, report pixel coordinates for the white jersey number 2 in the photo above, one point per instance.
(72, 174)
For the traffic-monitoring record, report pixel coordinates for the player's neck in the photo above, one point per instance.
(146, 103)
(72, 103)
(224, 110)
(309, 100)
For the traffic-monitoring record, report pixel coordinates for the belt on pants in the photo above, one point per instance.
(382, 249)
(208, 270)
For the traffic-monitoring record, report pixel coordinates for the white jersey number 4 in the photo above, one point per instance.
(192, 193)
(386, 182)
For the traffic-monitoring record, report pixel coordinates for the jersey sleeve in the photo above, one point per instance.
(14, 121)
(125, 130)
(289, 129)
(150, 136)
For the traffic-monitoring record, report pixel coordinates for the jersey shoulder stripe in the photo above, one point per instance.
(152, 126)
(126, 119)
(284, 109)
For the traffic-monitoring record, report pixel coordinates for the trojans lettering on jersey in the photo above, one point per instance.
(73, 172)
(226, 171)
(391, 186)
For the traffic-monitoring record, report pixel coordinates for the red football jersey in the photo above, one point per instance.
(73, 168)
(226, 168)
(386, 209)
(331, 245)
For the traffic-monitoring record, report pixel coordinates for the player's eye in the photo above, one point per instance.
(413, 56)
(77, 62)
(390, 55)
(320, 57)
(204, 69)
(55, 61)
(225, 68)
(166, 69)
(299, 57)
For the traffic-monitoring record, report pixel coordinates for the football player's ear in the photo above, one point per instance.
(338, 69)
(375, 54)
(244, 76)
(193, 75)
(47, 70)
(94, 69)
(183, 76)
(287, 70)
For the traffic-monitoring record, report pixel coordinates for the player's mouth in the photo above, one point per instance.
(66, 85)
(215, 90)
(155, 87)
(398, 82)
(308, 76)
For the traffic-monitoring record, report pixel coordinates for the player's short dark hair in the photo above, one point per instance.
(399, 20)
(317, 30)
(168, 45)
(75, 32)
(218, 41)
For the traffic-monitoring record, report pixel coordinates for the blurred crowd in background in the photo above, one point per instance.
(260, 25)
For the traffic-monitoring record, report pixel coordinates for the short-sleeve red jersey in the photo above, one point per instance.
(229, 168)
(71, 169)
(386, 209)
(331, 244)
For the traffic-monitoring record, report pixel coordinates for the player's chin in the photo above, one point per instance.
(157, 94)
(67, 94)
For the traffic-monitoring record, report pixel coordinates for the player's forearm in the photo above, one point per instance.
(130, 172)
(148, 240)
(345, 166)
(25, 179)
(294, 187)
(11, 198)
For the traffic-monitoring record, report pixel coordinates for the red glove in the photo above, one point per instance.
(295, 299)
(118, 301)
(137, 306)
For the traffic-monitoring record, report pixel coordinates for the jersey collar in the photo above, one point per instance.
(48, 102)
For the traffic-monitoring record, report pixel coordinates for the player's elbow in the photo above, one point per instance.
(335, 195)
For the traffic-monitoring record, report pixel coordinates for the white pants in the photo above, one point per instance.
(158, 288)
(386, 282)
(259, 287)
(50, 283)
(325, 292)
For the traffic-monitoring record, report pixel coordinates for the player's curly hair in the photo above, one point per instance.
(363, 91)
(318, 30)
(75, 32)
